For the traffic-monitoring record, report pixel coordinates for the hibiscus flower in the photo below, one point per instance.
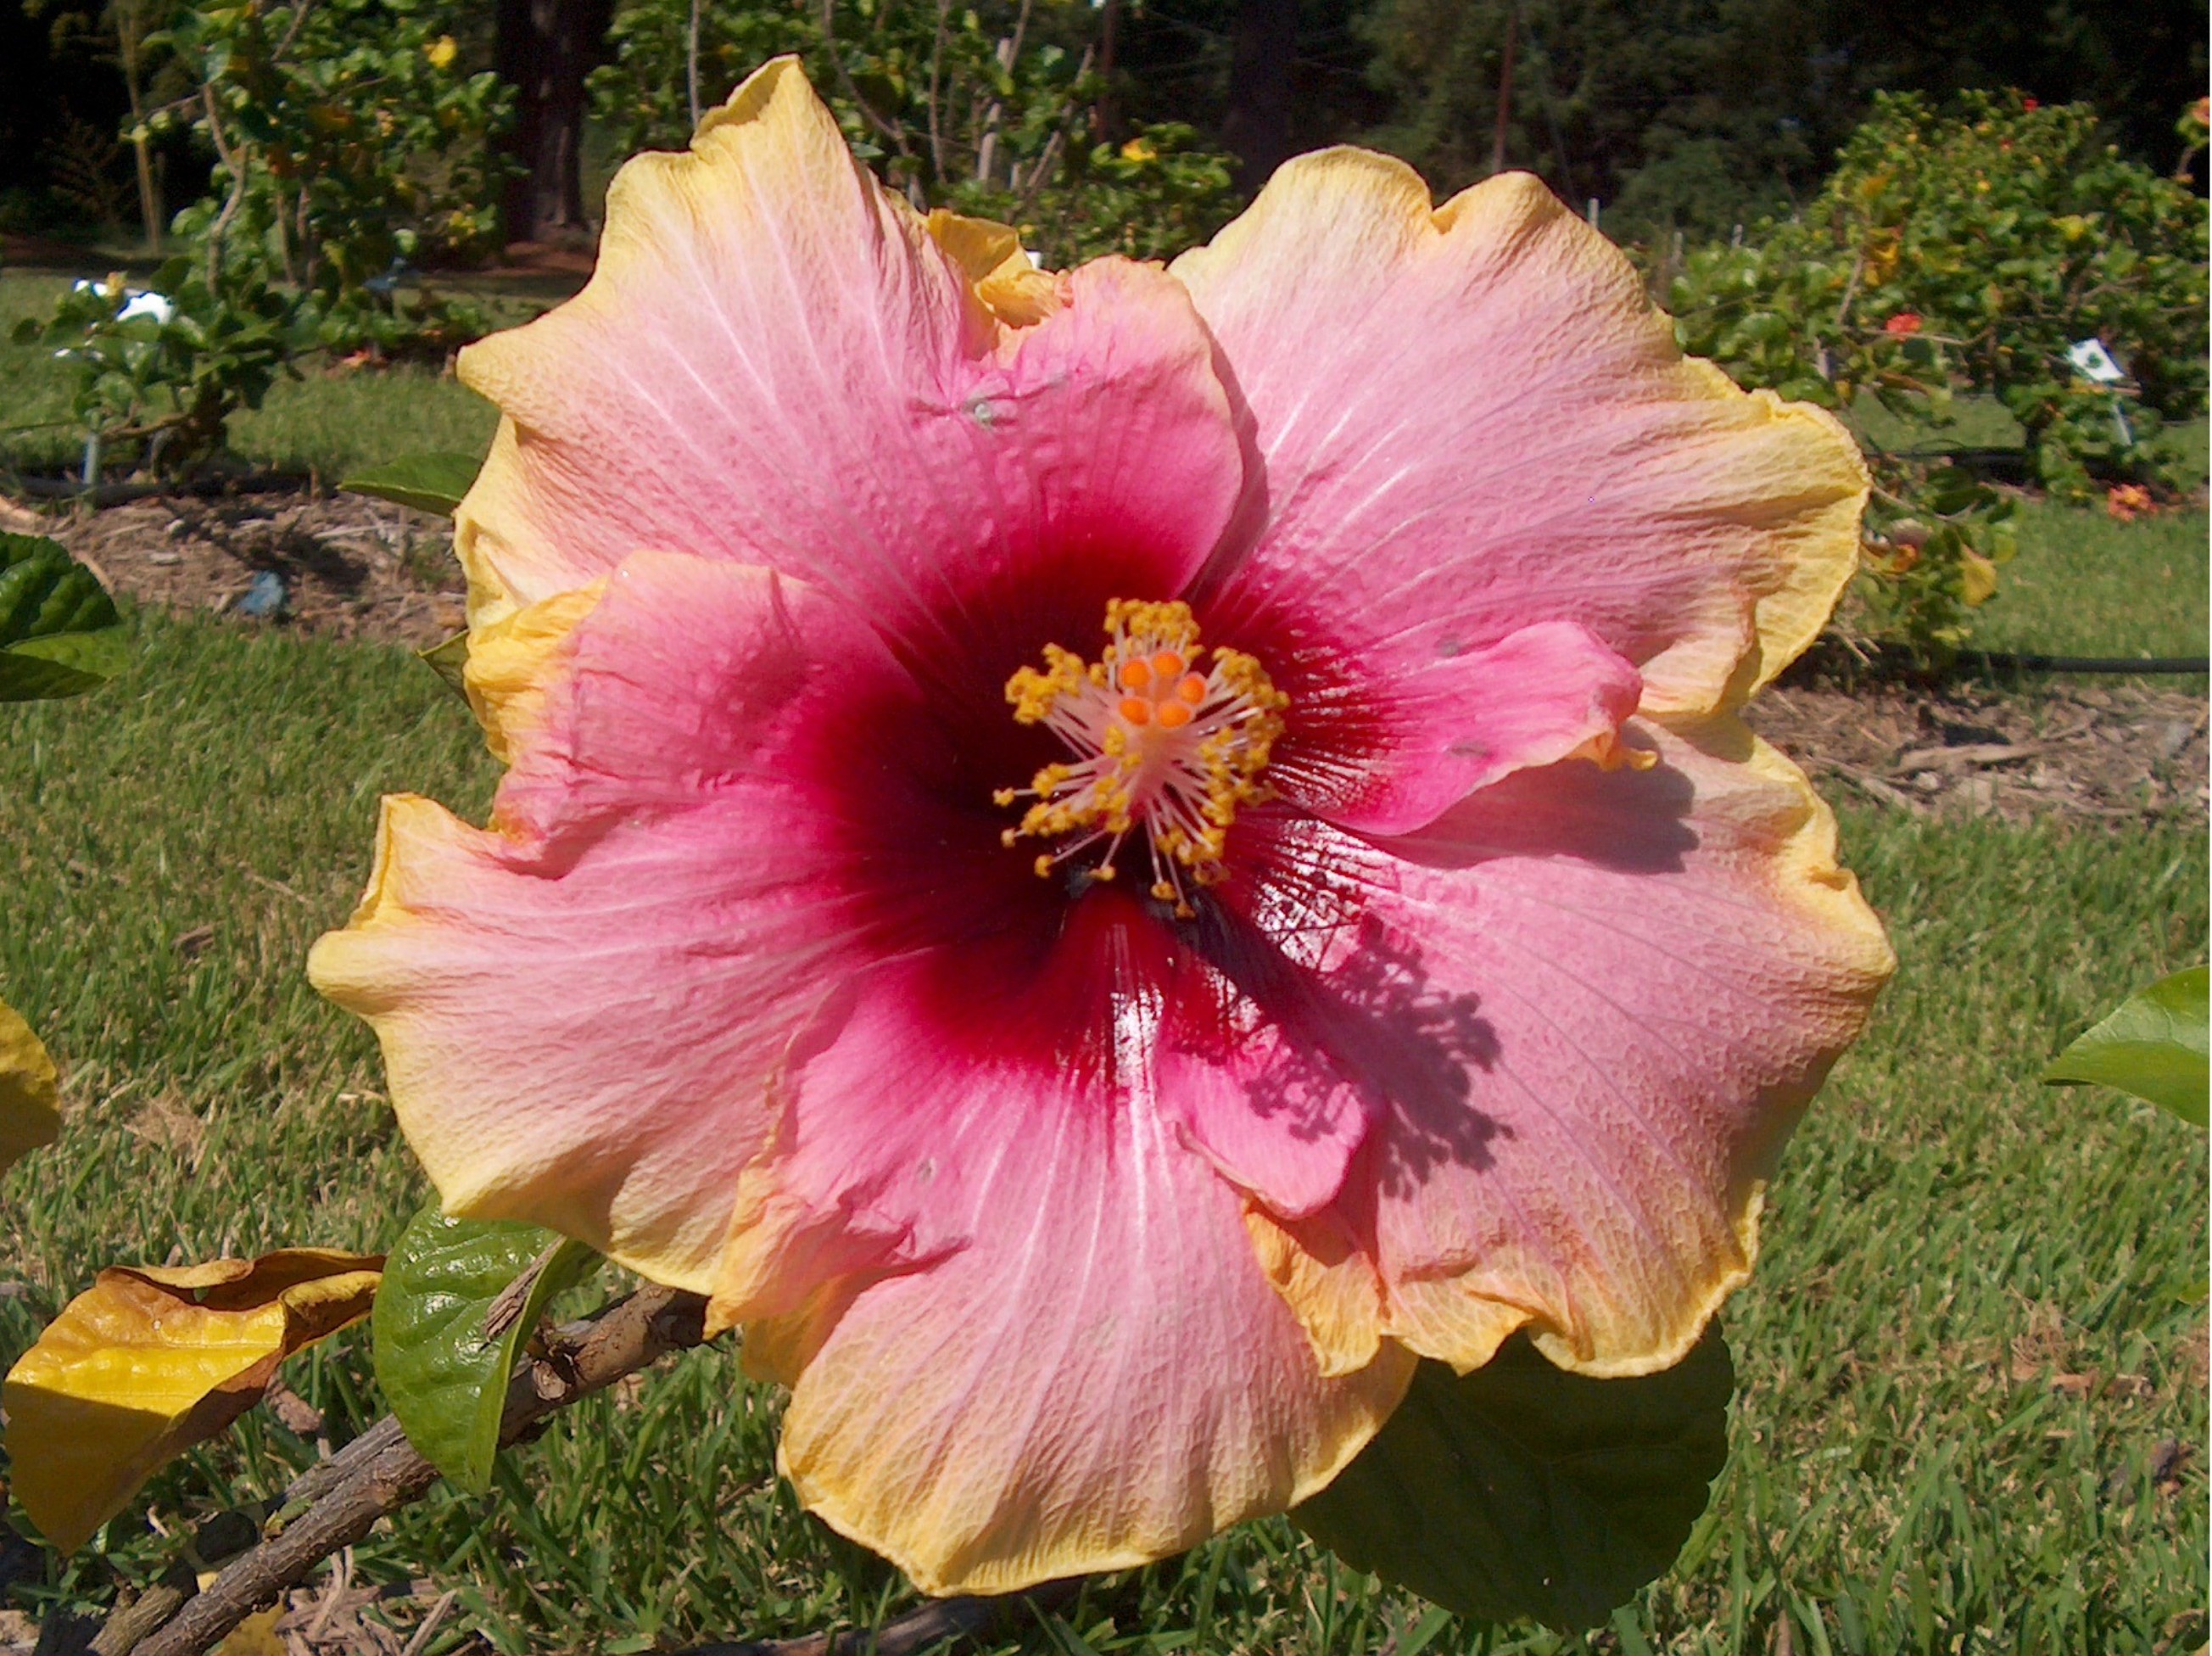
(1103, 860)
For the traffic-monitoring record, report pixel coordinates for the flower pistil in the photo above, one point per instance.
(1156, 740)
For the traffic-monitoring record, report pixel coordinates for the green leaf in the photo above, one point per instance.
(59, 631)
(1522, 1491)
(1807, 388)
(442, 1361)
(430, 482)
(2153, 1045)
(449, 662)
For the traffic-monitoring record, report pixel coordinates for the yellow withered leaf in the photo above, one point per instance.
(30, 1103)
(256, 1635)
(151, 1360)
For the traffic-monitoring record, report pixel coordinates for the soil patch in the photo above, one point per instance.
(2120, 752)
(350, 567)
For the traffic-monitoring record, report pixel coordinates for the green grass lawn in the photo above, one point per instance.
(1984, 422)
(337, 425)
(1947, 1238)
(2084, 585)
(35, 429)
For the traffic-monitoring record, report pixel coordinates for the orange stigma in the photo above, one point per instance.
(1153, 739)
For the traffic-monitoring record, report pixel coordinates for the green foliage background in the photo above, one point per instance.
(1966, 251)
(997, 108)
(1701, 115)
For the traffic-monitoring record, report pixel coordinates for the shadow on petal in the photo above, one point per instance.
(1375, 1036)
(1627, 820)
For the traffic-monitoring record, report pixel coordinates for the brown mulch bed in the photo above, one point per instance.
(2126, 750)
(352, 567)
(2118, 751)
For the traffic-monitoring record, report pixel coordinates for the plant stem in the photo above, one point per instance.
(235, 166)
(919, 1630)
(380, 1472)
(691, 63)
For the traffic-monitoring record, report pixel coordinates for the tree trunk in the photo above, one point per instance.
(544, 49)
(130, 31)
(149, 194)
(1106, 114)
(1506, 90)
(1263, 53)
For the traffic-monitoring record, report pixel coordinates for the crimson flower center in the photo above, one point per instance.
(1158, 738)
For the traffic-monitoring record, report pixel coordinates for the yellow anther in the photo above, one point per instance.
(1155, 740)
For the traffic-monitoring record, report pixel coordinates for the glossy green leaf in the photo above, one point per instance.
(2153, 1045)
(430, 482)
(449, 660)
(447, 1330)
(59, 631)
(1523, 1492)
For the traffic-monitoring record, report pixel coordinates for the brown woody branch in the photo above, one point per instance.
(333, 1505)
(919, 1630)
(338, 1501)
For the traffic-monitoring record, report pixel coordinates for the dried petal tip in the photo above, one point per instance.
(1156, 740)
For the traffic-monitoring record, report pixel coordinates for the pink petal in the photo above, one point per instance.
(1074, 1362)
(694, 683)
(1471, 420)
(1254, 1115)
(1595, 1002)
(1460, 722)
(579, 1011)
(775, 363)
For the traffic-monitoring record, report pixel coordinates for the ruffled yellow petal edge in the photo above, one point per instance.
(1813, 526)
(774, 122)
(1825, 539)
(513, 663)
(848, 1509)
(1335, 1289)
(1813, 523)
(1331, 1285)
(854, 1504)
(512, 667)
(999, 270)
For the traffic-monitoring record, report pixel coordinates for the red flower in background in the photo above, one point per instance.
(1903, 326)
(2127, 502)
